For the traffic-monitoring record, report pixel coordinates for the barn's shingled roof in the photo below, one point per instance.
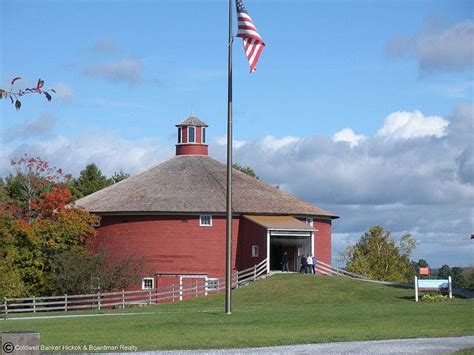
(194, 184)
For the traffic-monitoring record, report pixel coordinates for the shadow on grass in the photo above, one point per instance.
(412, 298)
(402, 286)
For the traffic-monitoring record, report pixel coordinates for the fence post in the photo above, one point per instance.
(450, 287)
(98, 300)
(123, 298)
(6, 308)
(254, 272)
(416, 289)
(34, 304)
(149, 297)
(65, 302)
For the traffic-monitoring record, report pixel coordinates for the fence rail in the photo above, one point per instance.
(122, 299)
(331, 270)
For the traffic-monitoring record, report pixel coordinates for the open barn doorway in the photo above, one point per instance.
(295, 246)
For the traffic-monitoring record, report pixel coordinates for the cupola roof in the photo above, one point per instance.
(192, 121)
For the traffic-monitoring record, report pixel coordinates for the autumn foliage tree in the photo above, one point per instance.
(36, 225)
(36, 190)
(44, 239)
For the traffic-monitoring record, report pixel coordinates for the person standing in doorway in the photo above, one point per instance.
(284, 262)
(304, 264)
(309, 262)
(314, 264)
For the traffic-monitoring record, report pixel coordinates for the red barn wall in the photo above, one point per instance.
(169, 244)
(322, 240)
(250, 234)
(178, 245)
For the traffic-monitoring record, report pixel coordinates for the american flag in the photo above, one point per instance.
(253, 43)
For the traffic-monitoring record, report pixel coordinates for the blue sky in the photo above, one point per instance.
(343, 90)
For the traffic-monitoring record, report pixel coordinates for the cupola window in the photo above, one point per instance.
(191, 134)
(203, 134)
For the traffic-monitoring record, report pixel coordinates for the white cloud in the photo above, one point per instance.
(235, 143)
(458, 90)
(449, 49)
(109, 151)
(39, 127)
(406, 125)
(274, 144)
(128, 70)
(64, 93)
(407, 183)
(347, 135)
(104, 45)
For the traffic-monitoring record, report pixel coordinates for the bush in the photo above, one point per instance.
(84, 272)
(469, 277)
(435, 298)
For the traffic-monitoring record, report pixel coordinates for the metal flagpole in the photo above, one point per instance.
(228, 261)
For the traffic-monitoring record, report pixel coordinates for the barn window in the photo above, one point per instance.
(203, 135)
(254, 251)
(148, 283)
(179, 135)
(205, 220)
(191, 131)
(212, 285)
(309, 221)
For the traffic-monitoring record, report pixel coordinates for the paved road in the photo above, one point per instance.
(396, 346)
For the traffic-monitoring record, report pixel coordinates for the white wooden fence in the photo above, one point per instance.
(327, 269)
(122, 299)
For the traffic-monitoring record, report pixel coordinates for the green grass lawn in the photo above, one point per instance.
(280, 310)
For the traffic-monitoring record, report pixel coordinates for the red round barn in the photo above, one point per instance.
(173, 215)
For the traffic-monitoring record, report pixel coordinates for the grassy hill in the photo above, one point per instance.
(280, 310)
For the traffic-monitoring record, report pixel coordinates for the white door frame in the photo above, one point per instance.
(311, 247)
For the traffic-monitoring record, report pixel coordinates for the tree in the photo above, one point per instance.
(457, 277)
(11, 284)
(3, 192)
(31, 248)
(36, 225)
(422, 263)
(37, 189)
(119, 176)
(444, 271)
(245, 169)
(90, 180)
(377, 256)
(15, 94)
(469, 277)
